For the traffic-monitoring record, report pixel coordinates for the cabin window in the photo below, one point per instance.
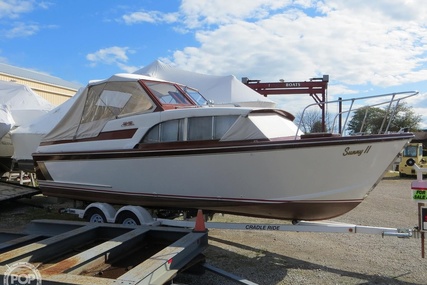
(222, 125)
(168, 131)
(209, 128)
(198, 128)
(153, 136)
(171, 131)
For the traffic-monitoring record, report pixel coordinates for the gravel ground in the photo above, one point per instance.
(326, 258)
(266, 257)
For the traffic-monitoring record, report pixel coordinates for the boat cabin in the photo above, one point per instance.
(147, 111)
(120, 96)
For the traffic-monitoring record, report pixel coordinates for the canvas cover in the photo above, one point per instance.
(98, 103)
(221, 89)
(66, 127)
(261, 126)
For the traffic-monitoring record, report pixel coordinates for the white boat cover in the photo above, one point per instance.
(27, 137)
(23, 103)
(6, 120)
(259, 126)
(221, 89)
(18, 105)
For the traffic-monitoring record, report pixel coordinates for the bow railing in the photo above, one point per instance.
(391, 102)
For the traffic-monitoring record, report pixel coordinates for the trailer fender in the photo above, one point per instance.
(106, 209)
(134, 214)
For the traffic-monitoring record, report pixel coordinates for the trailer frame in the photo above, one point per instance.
(141, 216)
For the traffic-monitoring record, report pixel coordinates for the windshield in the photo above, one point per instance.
(410, 151)
(167, 93)
(196, 96)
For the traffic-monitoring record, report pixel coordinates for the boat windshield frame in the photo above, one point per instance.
(167, 95)
(195, 95)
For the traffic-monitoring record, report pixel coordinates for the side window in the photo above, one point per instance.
(199, 128)
(169, 131)
(153, 135)
(222, 124)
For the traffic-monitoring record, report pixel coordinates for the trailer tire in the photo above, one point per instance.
(95, 215)
(127, 218)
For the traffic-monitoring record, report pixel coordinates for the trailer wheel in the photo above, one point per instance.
(95, 215)
(127, 218)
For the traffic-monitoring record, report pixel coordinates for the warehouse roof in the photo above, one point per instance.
(36, 76)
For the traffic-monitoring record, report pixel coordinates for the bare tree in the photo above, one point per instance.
(311, 122)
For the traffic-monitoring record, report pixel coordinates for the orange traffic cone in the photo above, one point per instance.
(200, 222)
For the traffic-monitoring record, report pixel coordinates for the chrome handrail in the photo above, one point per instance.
(393, 98)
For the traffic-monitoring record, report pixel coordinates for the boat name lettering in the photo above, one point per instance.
(293, 84)
(127, 124)
(358, 152)
(262, 227)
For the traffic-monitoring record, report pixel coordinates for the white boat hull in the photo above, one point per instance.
(314, 179)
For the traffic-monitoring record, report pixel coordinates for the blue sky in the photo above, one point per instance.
(366, 47)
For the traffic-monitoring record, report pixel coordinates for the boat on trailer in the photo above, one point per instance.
(137, 140)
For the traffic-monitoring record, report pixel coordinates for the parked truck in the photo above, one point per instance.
(413, 153)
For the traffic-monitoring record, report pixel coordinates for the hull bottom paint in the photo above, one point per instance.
(287, 210)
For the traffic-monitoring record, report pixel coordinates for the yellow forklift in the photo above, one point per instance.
(412, 154)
